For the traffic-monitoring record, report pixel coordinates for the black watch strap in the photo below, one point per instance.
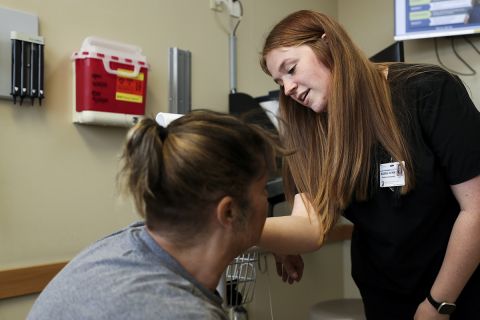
(442, 307)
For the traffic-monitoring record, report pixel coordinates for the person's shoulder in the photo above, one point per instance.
(411, 72)
(426, 78)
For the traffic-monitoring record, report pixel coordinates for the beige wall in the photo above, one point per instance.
(57, 190)
(369, 23)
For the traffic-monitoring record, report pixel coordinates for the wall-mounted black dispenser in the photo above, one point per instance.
(27, 67)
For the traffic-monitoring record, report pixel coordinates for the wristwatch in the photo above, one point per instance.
(442, 307)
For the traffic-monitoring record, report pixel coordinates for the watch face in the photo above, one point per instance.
(446, 308)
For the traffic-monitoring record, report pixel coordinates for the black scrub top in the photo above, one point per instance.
(399, 241)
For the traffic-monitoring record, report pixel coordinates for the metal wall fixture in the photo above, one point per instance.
(180, 78)
(19, 39)
(27, 67)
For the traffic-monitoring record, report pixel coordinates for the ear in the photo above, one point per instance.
(224, 211)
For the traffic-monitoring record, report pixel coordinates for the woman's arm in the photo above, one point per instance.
(463, 251)
(295, 234)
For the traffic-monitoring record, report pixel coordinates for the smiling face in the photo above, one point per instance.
(301, 74)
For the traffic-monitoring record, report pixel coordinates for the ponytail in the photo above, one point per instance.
(142, 160)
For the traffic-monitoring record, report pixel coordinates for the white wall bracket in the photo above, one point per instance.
(233, 7)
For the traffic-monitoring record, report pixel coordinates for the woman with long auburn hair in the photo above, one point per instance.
(394, 148)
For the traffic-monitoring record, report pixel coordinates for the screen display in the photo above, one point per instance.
(417, 19)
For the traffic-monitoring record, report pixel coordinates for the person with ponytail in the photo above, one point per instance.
(392, 147)
(199, 185)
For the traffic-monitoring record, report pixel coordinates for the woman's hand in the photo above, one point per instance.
(289, 267)
(426, 311)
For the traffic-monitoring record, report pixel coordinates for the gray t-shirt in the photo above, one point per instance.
(126, 275)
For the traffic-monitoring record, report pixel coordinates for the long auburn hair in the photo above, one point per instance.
(333, 160)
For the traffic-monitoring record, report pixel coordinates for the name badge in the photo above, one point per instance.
(392, 175)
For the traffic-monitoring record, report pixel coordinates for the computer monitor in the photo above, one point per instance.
(428, 19)
(392, 53)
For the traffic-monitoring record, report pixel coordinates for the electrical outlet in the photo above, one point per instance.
(216, 5)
